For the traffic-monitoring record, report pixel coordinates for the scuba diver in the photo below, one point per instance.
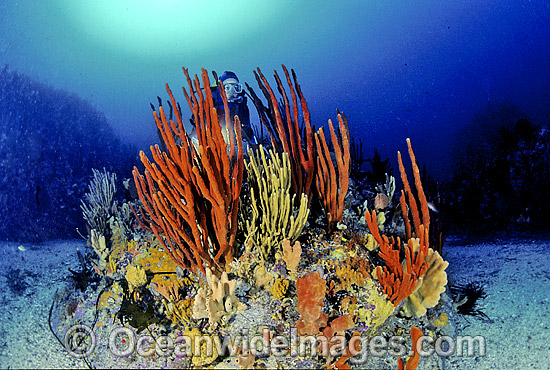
(237, 104)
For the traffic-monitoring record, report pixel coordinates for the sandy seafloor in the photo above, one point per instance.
(516, 273)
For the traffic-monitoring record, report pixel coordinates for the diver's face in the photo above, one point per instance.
(232, 88)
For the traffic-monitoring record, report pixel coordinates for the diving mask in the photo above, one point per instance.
(232, 88)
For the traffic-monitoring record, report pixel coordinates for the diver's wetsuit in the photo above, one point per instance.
(237, 107)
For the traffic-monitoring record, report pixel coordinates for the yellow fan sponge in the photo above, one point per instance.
(430, 286)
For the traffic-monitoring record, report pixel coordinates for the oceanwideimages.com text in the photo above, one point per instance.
(81, 342)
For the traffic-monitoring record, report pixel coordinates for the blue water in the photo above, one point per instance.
(418, 69)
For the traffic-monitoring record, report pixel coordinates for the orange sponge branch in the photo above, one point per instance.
(332, 183)
(286, 135)
(412, 202)
(398, 278)
(190, 195)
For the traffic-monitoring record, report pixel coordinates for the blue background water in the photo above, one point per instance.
(396, 68)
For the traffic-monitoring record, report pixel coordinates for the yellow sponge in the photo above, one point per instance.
(431, 285)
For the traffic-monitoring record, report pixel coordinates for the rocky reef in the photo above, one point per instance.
(270, 258)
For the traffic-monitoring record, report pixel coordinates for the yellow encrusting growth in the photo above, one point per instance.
(349, 276)
(136, 277)
(280, 288)
(378, 309)
(442, 320)
(201, 348)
